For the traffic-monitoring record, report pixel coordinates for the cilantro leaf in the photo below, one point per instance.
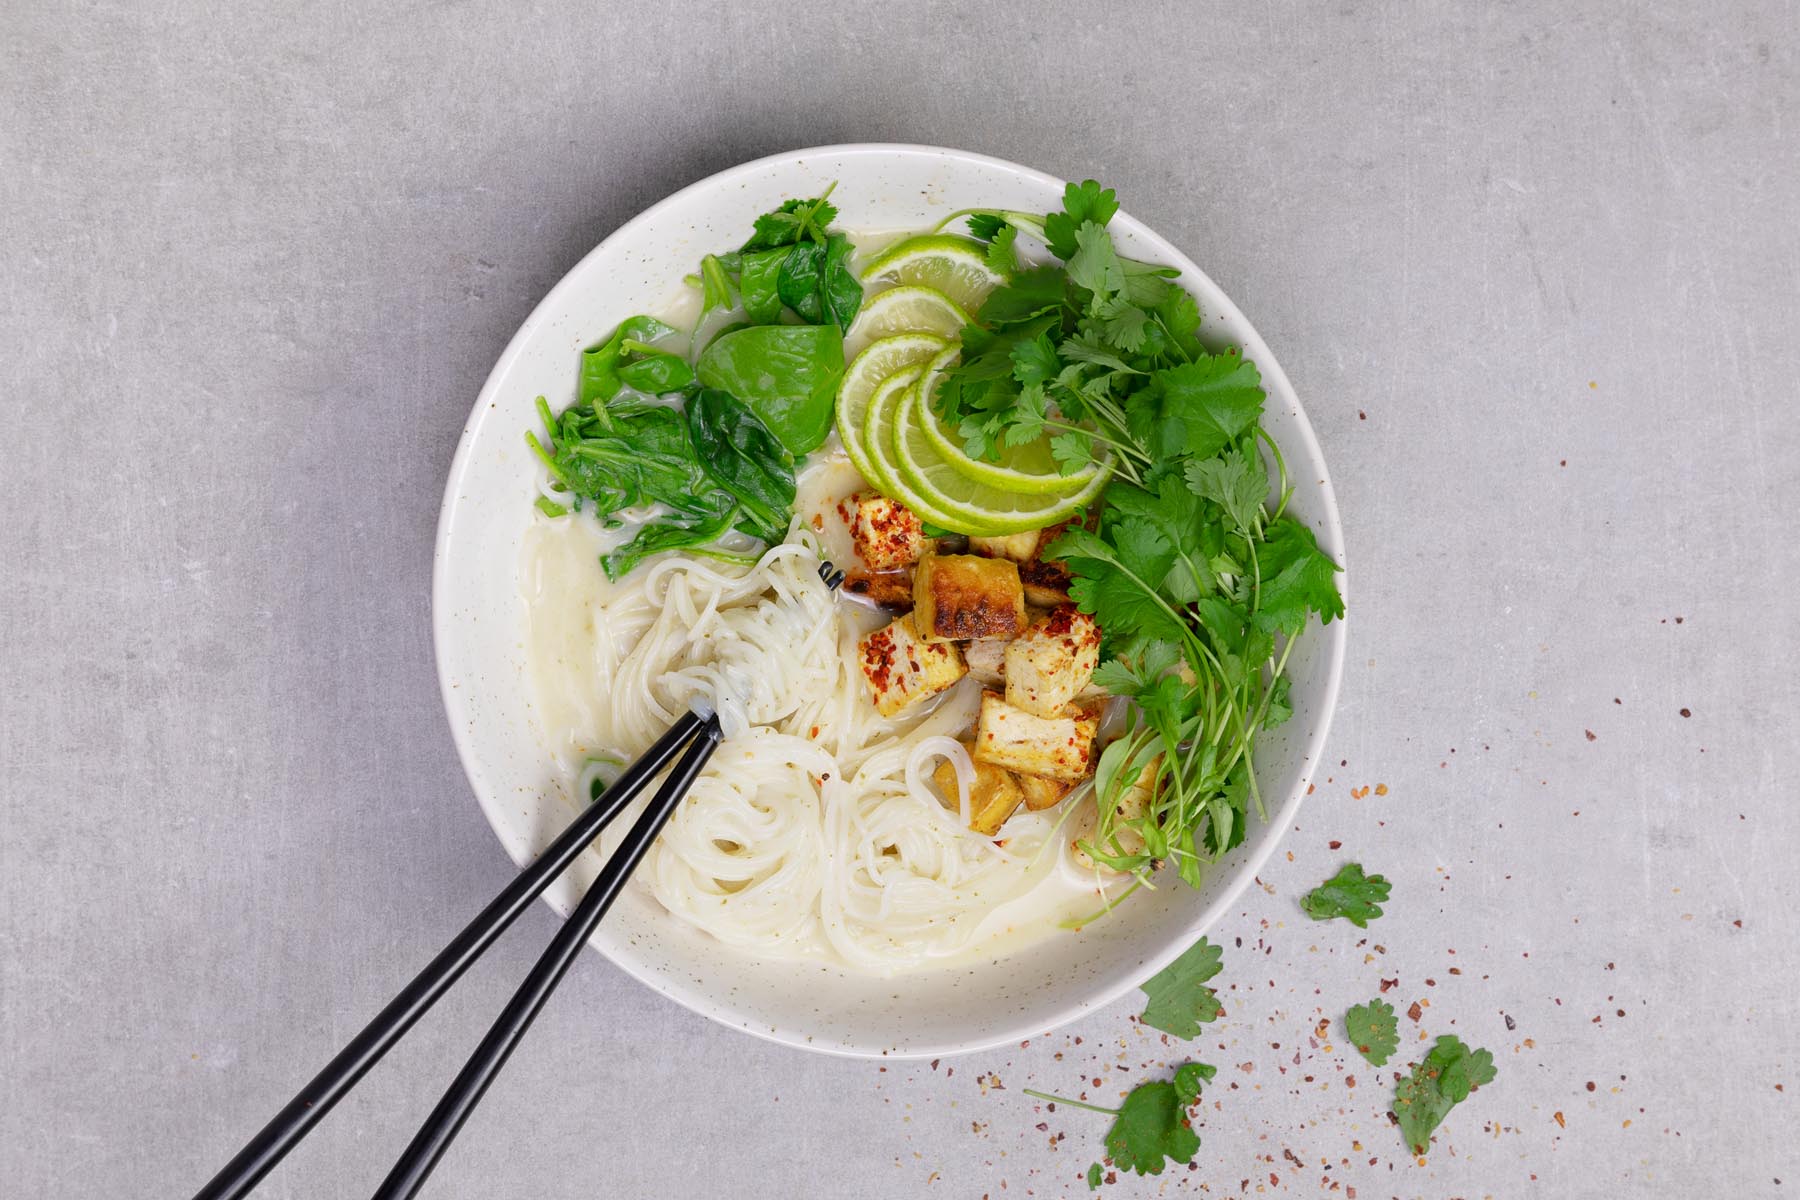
(795, 221)
(1296, 577)
(1035, 361)
(1123, 324)
(984, 226)
(1442, 1081)
(1374, 1029)
(1082, 202)
(1189, 1078)
(1025, 296)
(1094, 1176)
(1151, 1126)
(1179, 1000)
(1001, 254)
(1235, 481)
(1207, 404)
(1349, 894)
(1095, 264)
(1146, 283)
(1179, 317)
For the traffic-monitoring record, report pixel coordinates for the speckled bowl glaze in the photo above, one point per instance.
(478, 623)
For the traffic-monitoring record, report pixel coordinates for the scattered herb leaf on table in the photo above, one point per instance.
(1179, 1001)
(1373, 1030)
(1349, 894)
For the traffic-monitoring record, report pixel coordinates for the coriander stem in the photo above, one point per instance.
(1111, 1112)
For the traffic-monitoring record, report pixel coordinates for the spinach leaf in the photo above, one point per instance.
(656, 372)
(600, 364)
(688, 534)
(815, 281)
(786, 374)
(758, 284)
(798, 281)
(839, 292)
(740, 454)
(715, 285)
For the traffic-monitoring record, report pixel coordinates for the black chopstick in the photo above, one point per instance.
(313, 1101)
(446, 1120)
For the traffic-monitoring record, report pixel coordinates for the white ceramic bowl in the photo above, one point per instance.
(478, 622)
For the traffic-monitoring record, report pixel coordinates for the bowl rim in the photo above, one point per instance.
(1335, 635)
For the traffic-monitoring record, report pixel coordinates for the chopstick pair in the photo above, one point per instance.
(694, 739)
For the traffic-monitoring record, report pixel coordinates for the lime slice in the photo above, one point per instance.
(910, 309)
(867, 370)
(952, 265)
(966, 505)
(878, 440)
(1030, 468)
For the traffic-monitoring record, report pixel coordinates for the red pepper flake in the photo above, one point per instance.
(1686, 713)
(1414, 1011)
(1560, 1123)
(1590, 735)
(1335, 844)
(1590, 1085)
(1389, 983)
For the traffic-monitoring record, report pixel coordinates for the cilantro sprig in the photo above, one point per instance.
(1152, 1125)
(1178, 1000)
(1349, 894)
(1199, 577)
(1374, 1030)
(1446, 1077)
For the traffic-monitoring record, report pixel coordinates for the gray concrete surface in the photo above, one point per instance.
(1532, 266)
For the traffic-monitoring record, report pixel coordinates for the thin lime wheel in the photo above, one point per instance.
(865, 373)
(907, 309)
(952, 265)
(966, 505)
(878, 438)
(1030, 468)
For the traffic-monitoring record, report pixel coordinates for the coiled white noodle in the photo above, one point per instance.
(814, 831)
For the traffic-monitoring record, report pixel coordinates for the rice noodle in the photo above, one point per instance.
(814, 830)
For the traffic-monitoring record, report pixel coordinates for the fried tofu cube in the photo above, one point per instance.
(886, 534)
(1046, 584)
(961, 596)
(1020, 547)
(987, 659)
(903, 668)
(1059, 747)
(885, 589)
(993, 797)
(1041, 793)
(1049, 664)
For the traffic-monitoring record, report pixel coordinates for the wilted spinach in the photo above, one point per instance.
(787, 375)
(740, 454)
(791, 260)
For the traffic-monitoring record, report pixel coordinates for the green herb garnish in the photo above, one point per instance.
(1349, 894)
(1373, 1030)
(1199, 579)
(1424, 1098)
(1179, 1001)
(1152, 1125)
